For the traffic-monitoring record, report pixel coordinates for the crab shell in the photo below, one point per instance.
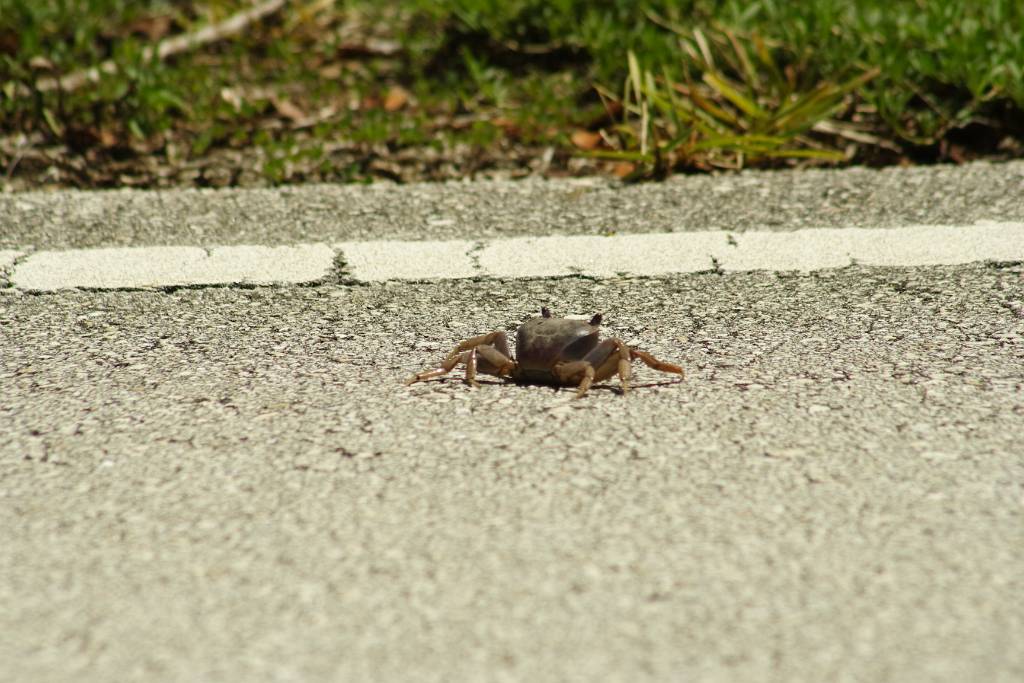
(543, 342)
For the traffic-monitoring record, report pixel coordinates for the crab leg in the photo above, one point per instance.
(479, 340)
(608, 358)
(567, 373)
(494, 362)
(489, 350)
(468, 358)
(493, 351)
(653, 362)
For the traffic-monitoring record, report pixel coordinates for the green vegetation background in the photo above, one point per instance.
(481, 72)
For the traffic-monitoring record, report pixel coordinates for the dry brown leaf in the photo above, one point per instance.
(623, 169)
(332, 71)
(585, 139)
(152, 27)
(9, 42)
(396, 98)
(288, 110)
(511, 128)
(108, 138)
(40, 63)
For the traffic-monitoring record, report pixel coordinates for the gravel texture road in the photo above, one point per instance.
(227, 483)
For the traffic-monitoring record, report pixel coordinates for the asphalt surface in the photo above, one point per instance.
(894, 197)
(232, 483)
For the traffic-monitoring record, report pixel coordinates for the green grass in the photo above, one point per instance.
(669, 85)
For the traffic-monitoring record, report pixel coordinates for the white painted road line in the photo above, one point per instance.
(927, 245)
(139, 267)
(686, 252)
(383, 260)
(520, 257)
(658, 254)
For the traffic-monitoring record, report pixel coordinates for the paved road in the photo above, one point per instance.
(228, 483)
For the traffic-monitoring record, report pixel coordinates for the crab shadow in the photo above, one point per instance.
(555, 388)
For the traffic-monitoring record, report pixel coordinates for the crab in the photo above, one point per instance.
(558, 351)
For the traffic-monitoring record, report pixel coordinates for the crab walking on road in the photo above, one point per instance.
(548, 351)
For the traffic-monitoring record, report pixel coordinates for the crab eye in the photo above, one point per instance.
(545, 312)
(596, 320)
